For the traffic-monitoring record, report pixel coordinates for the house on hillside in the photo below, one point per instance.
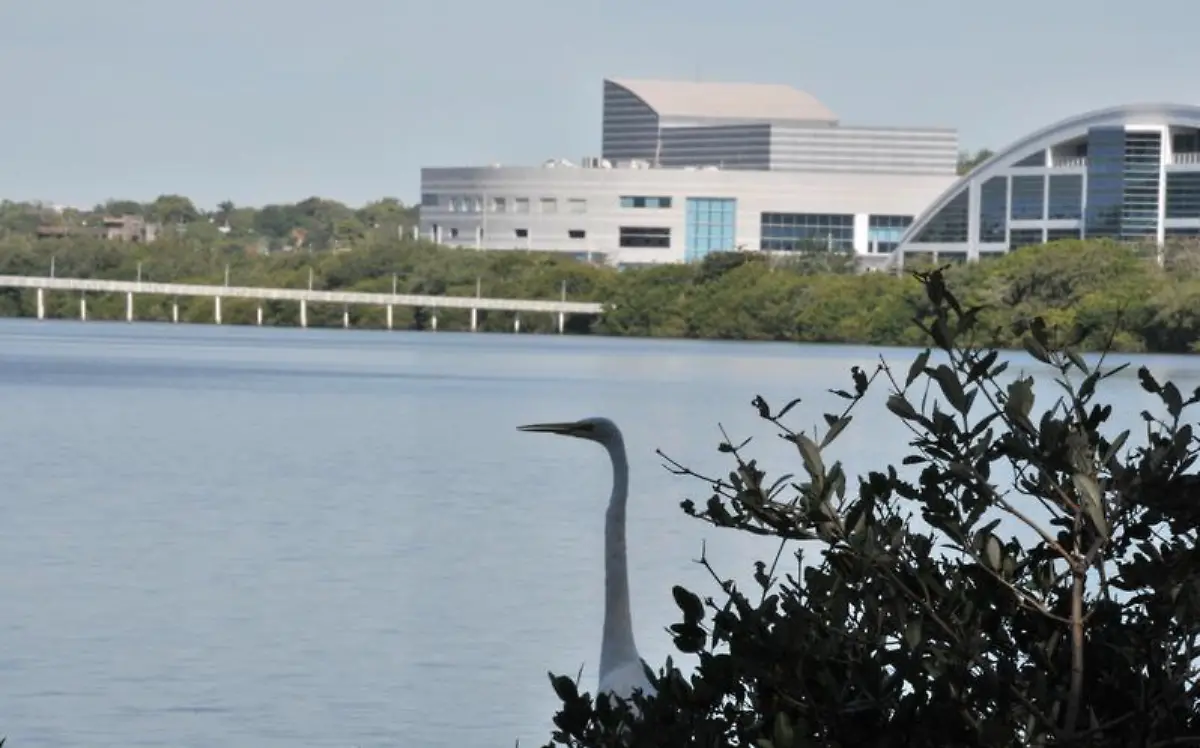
(129, 228)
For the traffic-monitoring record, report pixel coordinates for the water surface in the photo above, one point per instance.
(255, 537)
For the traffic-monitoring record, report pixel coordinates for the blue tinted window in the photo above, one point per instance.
(1033, 159)
(1028, 198)
(949, 225)
(1123, 183)
(1183, 194)
(1106, 180)
(1066, 197)
(711, 226)
(884, 231)
(790, 232)
(993, 210)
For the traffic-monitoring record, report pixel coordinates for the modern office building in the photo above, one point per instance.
(1127, 173)
(687, 168)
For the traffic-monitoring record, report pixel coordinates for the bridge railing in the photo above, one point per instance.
(293, 294)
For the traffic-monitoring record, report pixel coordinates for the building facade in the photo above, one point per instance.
(690, 168)
(1130, 173)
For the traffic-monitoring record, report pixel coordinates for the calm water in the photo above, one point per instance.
(244, 537)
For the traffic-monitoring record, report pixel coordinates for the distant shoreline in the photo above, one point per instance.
(1134, 355)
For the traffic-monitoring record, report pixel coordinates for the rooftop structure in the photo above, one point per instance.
(690, 101)
(687, 168)
(758, 127)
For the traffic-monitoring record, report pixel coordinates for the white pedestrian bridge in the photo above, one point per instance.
(302, 296)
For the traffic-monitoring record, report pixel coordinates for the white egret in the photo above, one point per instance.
(621, 669)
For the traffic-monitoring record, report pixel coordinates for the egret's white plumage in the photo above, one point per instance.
(621, 669)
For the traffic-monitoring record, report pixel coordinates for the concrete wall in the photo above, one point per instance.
(485, 207)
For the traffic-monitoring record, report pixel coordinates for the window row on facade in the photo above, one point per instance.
(1117, 196)
(1185, 148)
(1029, 237)
(791, 232)
(711, 225)
(1124, 205)
(508, 204)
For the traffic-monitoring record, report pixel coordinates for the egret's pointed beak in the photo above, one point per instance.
(566, 429)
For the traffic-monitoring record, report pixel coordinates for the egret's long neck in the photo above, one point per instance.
(617, 646)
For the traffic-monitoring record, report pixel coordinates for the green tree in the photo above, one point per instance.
(876, 633)
(173, 209)
(120, 208)
(1141, 292)
(388, 214)
(224, 211)
(967, 161)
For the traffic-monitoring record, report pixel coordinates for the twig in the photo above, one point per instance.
(1075, 696)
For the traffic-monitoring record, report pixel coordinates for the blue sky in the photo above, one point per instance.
(275, 100)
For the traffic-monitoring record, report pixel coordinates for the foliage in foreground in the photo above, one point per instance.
(959, 633)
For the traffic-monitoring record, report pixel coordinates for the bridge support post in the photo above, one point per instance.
(433, 322)
(41, 303)
(82, 308)
(303, 313)
(389, 316)
(217, 309)
(175, 312)
(562, 322)
(260, 315)
(474, 320)
(517, 323)
(346, 317)
(129, 306)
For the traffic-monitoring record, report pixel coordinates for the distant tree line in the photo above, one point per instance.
(1092, 289)
(313, 224)
(967, 161)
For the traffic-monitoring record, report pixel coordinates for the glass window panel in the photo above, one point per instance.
(1028, 198)
(1183, 194)
(656, 237)
(1033, 159)
(949, 225)
(1105, 182)
(807, 231)
(1143, 165)
(642, 201)
(1066, 197)
(710, 226)
(993, 210)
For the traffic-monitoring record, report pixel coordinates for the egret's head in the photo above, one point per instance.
(593, 429)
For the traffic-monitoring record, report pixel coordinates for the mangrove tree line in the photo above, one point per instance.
(1088, 287)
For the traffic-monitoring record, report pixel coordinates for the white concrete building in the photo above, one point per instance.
(689, 168)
